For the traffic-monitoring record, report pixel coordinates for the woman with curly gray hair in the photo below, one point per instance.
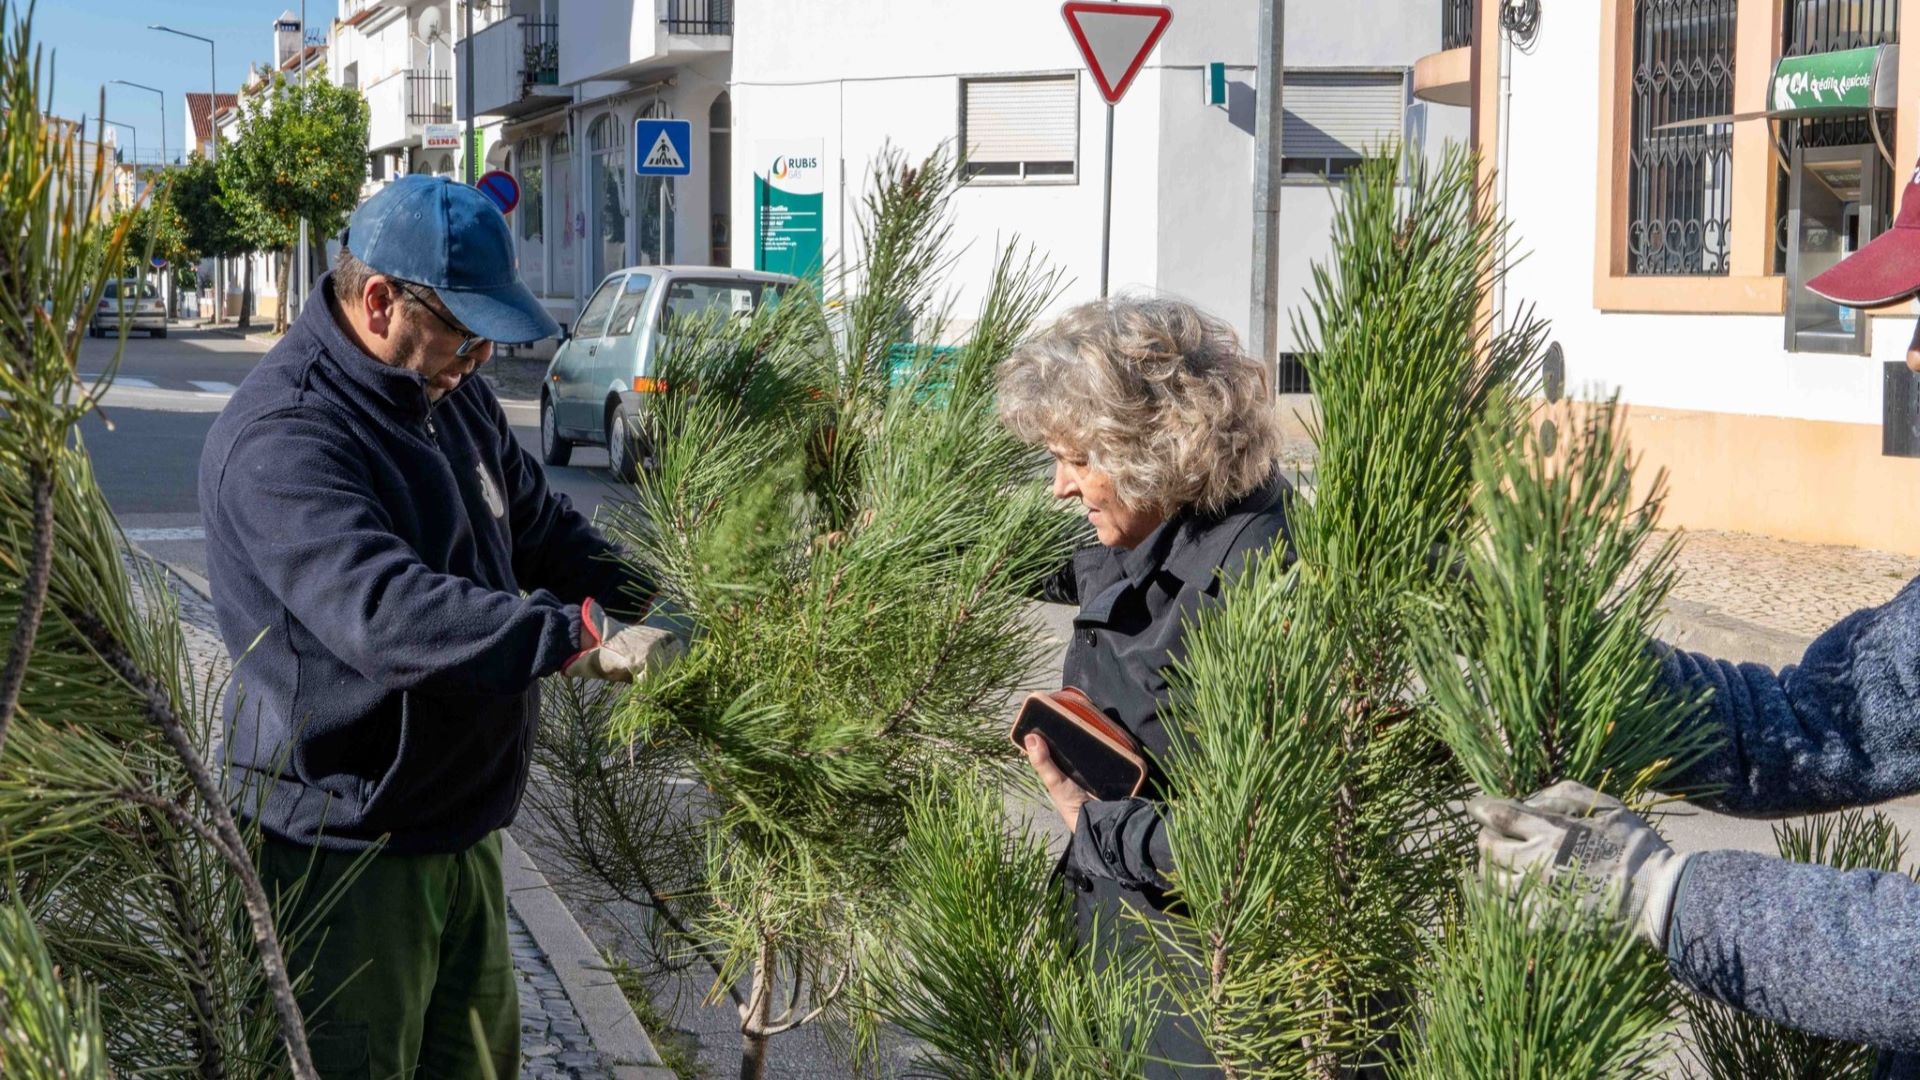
(1166, 431)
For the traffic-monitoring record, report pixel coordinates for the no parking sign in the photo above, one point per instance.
(500, 186)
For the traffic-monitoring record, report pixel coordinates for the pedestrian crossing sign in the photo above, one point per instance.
(662, 147)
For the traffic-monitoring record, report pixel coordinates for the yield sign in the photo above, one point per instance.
(1115, 39)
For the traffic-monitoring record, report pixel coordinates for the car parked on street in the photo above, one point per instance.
(601, 377)
(140, 302)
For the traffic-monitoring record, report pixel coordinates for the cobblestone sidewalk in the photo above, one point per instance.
(1800, 589)
(554, 1044)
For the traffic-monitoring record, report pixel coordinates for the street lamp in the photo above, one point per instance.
(213, 140)
(163, 114)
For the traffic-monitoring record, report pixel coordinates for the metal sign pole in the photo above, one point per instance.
(1106, 207)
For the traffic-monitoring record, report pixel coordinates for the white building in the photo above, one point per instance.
(1667, 252)
(567, 79)
(1003, 79)
(400, 55)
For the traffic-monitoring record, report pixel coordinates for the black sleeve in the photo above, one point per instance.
(1122, 839)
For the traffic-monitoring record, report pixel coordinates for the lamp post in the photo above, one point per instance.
(213, 140)
(163, 114)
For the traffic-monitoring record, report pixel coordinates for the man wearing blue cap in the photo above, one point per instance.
(394, 577)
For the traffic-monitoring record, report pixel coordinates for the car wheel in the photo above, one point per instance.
(93, 330)
(162, 332)
(623, 442)
(554, 450)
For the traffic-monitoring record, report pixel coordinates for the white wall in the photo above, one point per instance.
(1718, 363)
(1182, 195)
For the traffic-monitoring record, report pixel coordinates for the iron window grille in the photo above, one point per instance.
(1680, 182)
(1456, 23)
(1817, 26)
(699, 16)
(540, 55)
(429, 97)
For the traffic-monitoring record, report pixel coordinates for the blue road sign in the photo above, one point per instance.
(501, 188)
(662, 147)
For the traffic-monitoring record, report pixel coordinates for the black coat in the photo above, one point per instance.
(1135, 606)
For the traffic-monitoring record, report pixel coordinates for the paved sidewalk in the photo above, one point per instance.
(1797, 589)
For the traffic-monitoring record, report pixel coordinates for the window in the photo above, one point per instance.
(607, 174)
(699, 299)
(594, 318)
(720, 180)
(1017, 130)
(626, 310)
(1335, 118)
(569, 223)
(531, 213)
(1680, 198)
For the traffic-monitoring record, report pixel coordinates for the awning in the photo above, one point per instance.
(1851, 81)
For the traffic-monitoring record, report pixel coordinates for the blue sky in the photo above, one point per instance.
(93, 42)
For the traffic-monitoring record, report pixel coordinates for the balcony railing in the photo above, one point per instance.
(540, 45)
(1456, 23)
(429, 97)
(699, 16)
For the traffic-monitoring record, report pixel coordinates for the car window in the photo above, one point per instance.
(142, 290)
(693, 298)
(627, 309)
(593, 317)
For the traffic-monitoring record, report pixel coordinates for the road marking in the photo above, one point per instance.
(147, 536)
(214, 387)
(132, 383)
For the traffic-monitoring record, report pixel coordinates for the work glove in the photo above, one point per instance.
(616, 652)
(1615, 865)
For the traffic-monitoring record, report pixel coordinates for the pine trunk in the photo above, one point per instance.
(755, 1014)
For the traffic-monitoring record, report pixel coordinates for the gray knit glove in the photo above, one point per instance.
(1574, 835)
(615, 652)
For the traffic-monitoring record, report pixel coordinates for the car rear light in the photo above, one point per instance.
(644, 385)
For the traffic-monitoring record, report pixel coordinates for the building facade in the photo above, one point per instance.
(565, 81)
(1671, 194)
(1002, 81)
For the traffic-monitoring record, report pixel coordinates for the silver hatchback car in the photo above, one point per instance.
(604, 371)
(139, 301)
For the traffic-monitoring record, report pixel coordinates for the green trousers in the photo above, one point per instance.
(411, 950)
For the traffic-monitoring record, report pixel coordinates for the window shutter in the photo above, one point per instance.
(1333, 114)
(1021, 120)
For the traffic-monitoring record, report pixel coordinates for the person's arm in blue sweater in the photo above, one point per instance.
(1840, 729)
(1825, 951)
(555, 547)
(300, 502)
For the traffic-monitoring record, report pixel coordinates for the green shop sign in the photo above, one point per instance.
(1848, 81)
(788, 193)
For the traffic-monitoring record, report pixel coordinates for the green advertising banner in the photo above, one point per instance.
(1849, 81)
(788, 199)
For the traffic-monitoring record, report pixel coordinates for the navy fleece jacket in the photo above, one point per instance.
(1830, 952)
(368, 555)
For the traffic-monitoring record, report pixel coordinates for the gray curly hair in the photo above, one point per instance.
(1156, 393)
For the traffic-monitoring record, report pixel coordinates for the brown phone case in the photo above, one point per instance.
(1098, 754)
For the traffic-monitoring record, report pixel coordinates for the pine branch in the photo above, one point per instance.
(33, 589)
(232, 846)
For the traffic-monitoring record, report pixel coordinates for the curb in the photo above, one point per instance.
(602, 1007)
(1698, 627)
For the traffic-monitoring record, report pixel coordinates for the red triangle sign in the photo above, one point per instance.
(1115, 40)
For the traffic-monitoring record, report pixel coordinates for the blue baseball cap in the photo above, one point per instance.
(449, 237)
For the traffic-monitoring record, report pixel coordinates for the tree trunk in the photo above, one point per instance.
(280, 261)
(754, 1016)
(246, 295)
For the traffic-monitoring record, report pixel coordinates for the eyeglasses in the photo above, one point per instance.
(469, 340)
